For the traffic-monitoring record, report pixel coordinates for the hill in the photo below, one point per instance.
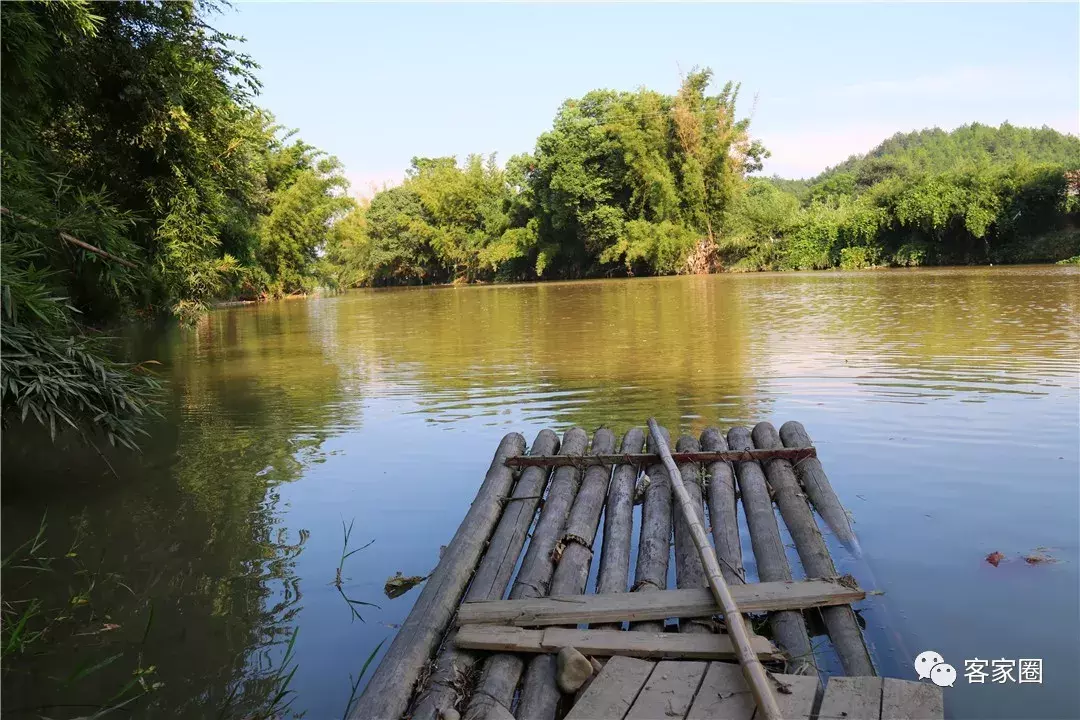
(970, 146)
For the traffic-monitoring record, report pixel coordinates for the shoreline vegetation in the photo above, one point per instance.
(134, 129)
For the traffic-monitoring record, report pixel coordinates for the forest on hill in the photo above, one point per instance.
(142, 180)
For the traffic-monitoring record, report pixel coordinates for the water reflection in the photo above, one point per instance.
(381, 409)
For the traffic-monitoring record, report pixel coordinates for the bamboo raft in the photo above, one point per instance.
(477, 646)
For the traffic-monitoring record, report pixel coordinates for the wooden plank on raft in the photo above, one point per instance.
(690, 646)
(501, 673)
(651, 458)
(840, 621)
(724, 695)
(797, 695)
(851, 698)
(441, 692)
(910, 700)
(540, 695)
(613, 691)
(697, 602)
(669, 690)
(391, 686)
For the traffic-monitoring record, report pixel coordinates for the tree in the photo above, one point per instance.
(131, 126)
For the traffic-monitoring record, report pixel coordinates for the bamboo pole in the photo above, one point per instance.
(73, 240)
(788, 626)
(614, 572)
(495, 691)
(540, 695)
(752, 668)
(489, 583)
(818, 487)
(689, 572)
(840, 620)
(723, 510)
(391, 686)
(654, 539)
(650, 458)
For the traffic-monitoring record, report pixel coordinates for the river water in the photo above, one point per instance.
(943, 402)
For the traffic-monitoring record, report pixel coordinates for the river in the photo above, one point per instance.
(943, 402)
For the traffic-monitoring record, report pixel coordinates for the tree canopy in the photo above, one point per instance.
(632, 183)
(131, 127)
(624, 182)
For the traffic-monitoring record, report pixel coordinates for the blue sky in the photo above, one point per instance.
(377, 84)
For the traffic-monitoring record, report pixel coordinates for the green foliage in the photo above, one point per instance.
(633, 182)
(130, 126)
(976, 145)
(445, 223)
(645, 183)
(978, 194)
(663, 247)
(302, 210)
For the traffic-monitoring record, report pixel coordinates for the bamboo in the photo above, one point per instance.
(73, 240)
(614, 572)
(539, 694)
(840, 620)
(689, 572)
(495, 691)
(654, 540)
(391, 686)
(788, 626)
(489, 583)
(819, 489)
(649, 458)
(736, 625)
(723, 510)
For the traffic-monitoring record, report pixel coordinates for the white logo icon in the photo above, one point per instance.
(925, 662)
(943, 675)
(930, 664)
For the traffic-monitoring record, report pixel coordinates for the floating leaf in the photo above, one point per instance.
(994, 558)
(398, 585)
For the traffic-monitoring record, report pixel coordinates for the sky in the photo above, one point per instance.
(377, 84)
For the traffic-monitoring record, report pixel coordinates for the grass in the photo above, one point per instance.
(26, 623)
(339, 579)
(345, 552)
(356, 683)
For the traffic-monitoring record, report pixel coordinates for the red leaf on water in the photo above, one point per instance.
(994, 558)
